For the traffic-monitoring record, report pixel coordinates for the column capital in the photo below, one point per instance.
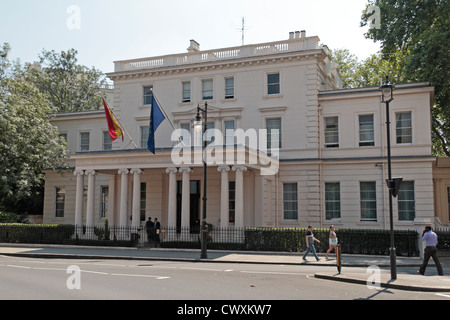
(223, 168)
(90, 173)
(185, 169)
(239, 168)
(78, 172)
(123, 171)
(171, 170)
(135, 171)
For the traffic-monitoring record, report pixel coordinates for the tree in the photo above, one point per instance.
(421, 30)
(68, 85)
(369, 72)
(28, 142)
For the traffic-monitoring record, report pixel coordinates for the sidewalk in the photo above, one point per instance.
(407, 279)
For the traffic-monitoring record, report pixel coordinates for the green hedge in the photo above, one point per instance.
(32, 233)
(375, 242)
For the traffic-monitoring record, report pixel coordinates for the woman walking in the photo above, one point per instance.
(332, 240)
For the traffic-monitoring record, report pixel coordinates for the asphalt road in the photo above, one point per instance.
(78, 279)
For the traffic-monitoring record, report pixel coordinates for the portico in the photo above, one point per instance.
(124, 173)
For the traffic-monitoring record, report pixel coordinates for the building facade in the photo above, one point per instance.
(329, 168)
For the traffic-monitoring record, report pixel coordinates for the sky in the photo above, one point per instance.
(104, 31)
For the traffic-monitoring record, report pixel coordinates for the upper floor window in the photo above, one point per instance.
(331, 132)
(186, 91)
(403, 127)
(366, 131)
(273, 83)
(84, 141)
(207, 89)
(107, 142)
(144, 136)
(148, 95)
(229, 88)
(273, 127)
(229, 132)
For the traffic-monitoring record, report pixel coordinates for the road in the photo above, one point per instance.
(79, 279)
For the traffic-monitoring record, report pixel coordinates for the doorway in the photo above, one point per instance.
(194, 210)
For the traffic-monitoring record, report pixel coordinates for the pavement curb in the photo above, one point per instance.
(384, 284)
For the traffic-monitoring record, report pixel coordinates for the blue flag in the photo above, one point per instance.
(156, 117)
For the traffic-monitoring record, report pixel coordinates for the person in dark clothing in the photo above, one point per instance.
(149, 230)
(157, 230)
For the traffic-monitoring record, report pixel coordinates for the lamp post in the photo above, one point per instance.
(387, 95)
(198, 125)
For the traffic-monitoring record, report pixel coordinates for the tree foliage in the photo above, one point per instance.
(420, 30)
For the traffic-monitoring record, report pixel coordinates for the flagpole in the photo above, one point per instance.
(122, 127)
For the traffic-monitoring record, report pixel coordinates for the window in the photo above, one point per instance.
(84, 141)
(273, 127)
(273, 83)
(332, 201)
(231, 200)
(366, 131)
(186, 91)
(60, 199)
(290, 201)
(186, 137)
(207, 89)
(148, 95)
(229, 88)
(144, 136)
(331, 132)
(229, 132)
(368, 200)
(406, 201)
(107, 142)
(104, 196)
(143, 200)
(210, 137)
(403, 127)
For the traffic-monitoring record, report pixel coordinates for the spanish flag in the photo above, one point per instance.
(114, 128)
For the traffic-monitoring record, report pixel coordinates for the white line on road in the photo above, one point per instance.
(443, 295)
(139, 275)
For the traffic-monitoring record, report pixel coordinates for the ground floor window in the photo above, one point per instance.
(332, 200)
(368, 200)
(60, 200)
(290, 201)
(406, 201)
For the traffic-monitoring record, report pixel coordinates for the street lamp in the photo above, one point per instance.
(387, 95)
(198, 125)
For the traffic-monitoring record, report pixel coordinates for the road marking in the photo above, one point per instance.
(202, 269)
(269, 272)
(443, 295)
(139, 275)
(20, 267)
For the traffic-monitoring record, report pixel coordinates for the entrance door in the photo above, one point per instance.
(194, 209)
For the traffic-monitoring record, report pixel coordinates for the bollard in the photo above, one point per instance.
(338, 258)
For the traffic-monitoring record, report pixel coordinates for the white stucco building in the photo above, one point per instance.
(331, 164)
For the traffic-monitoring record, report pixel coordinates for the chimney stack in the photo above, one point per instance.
(194, 46)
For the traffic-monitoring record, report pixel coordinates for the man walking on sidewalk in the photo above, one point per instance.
(431, 239)
(310, 243)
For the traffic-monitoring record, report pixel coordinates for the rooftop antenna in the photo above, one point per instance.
(243, 30)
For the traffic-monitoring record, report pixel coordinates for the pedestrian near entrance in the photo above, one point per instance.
(157, 227)
(310, 243)
(431, 239)
(332, 240)
(149, 230)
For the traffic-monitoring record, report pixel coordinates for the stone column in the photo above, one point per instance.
(239, 193)
(79, 198)
(224, 196)
(186, 198)
(136, 213)
(90, 198)
(172, 197)
(123, 216)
